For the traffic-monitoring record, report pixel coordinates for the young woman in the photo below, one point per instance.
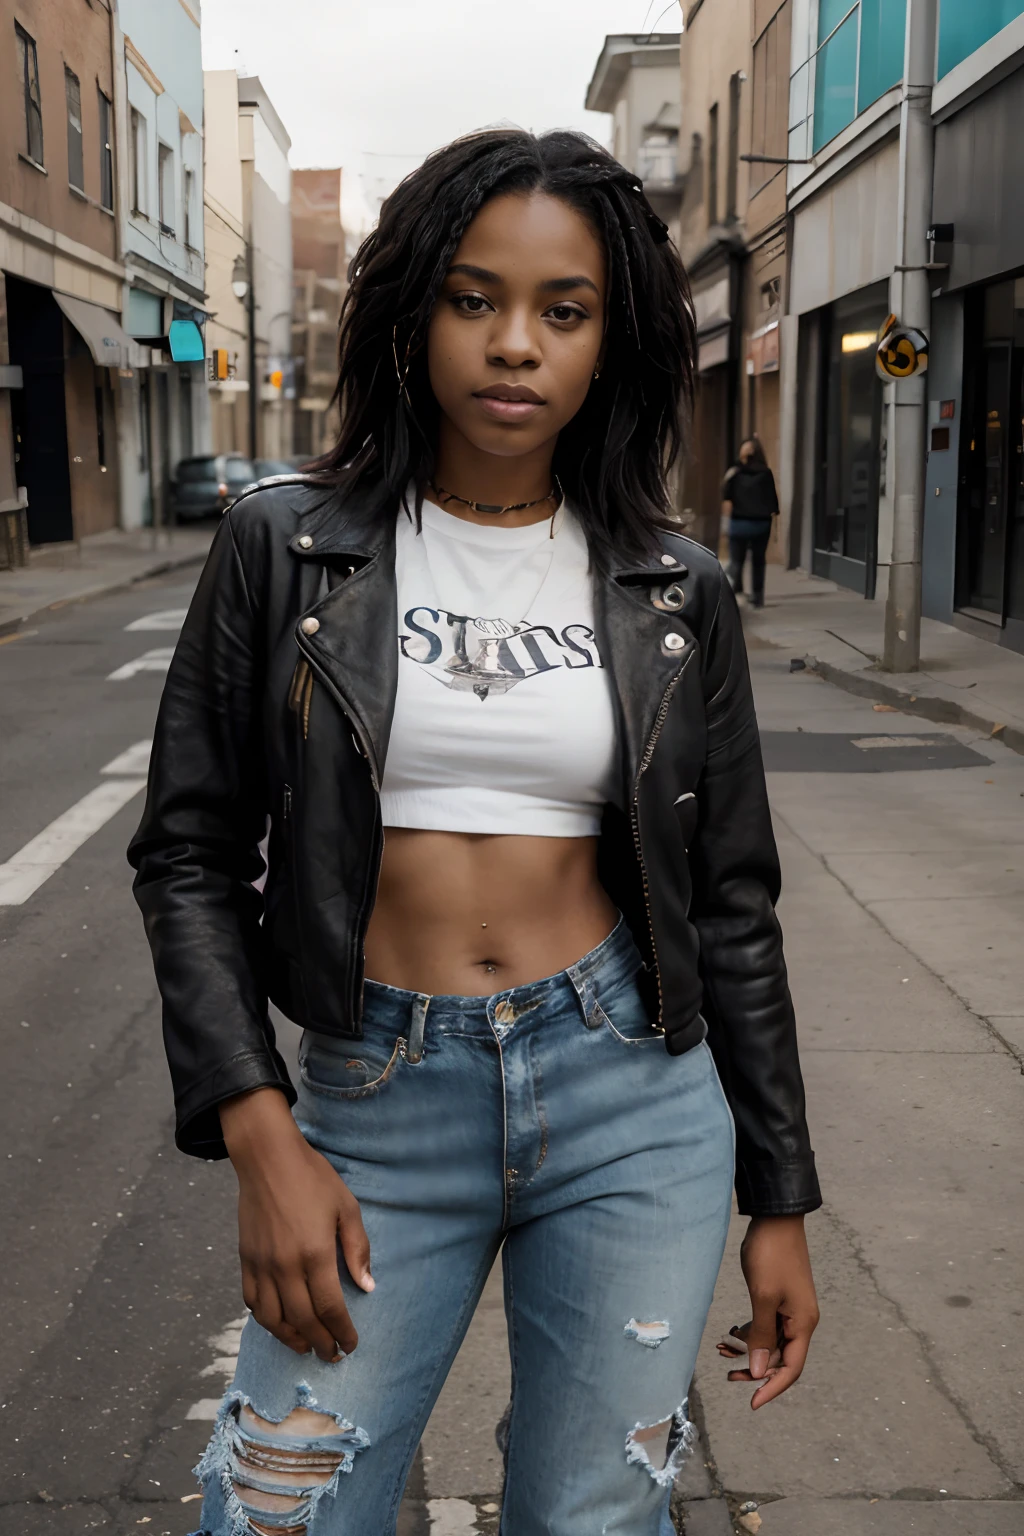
(520, 865)
(749, 501)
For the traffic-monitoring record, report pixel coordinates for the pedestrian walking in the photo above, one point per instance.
(750, 502)
(521, 881)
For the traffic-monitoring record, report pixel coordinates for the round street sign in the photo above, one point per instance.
(902, 350)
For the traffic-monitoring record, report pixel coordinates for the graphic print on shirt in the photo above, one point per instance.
(492, 655)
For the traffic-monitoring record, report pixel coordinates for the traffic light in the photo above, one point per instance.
(220, 366)
(276, 377)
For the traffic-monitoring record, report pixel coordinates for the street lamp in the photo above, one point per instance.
(240, 278)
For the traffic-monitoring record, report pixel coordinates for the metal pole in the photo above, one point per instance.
(910, 301)
(254, 399)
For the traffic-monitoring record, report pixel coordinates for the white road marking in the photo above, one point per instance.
(150, 661)
(226, 1359)
(134, 761)
(867, 742)
(167, 618)
(32, 865)
(451, 1517)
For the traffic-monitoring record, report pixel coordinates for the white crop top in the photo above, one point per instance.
(504, 720)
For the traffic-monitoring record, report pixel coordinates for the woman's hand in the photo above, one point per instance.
(293, 1210)
(777, 1269)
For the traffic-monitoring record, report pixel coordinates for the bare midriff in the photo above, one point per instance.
(468, 914)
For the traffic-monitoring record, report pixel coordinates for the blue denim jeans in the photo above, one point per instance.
(550, 1123)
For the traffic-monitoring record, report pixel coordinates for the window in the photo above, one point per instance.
(165, 187)
(768, 126)
(189, 180)
(859, 57)
(106, 151)
(713, 164)
(28, 68)
(137, 148)
(101, 436)
(733, 163)
(963, 28)
(73, 96)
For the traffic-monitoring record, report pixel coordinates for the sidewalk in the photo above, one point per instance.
(962, 681)
(104, 562)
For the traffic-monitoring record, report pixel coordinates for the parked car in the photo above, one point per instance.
(267, 467)
(206, 486)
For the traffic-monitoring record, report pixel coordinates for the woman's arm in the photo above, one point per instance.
(197, 852)
(751, 1026)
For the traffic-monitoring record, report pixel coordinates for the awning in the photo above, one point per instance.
(186, 342)
(110, 345)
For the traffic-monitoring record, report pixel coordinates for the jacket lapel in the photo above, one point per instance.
(632, 635)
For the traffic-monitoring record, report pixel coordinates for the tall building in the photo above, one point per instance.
(160, 176)
(61, 279)
(319, 267)
(227, 267)
(267, 227)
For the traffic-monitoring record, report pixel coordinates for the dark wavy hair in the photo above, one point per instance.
(613, 457)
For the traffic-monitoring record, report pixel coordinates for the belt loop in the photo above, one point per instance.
(414, 1050)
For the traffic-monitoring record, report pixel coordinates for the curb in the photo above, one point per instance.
(942, 711)
(102, 589)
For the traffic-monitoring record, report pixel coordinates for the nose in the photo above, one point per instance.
(514, 341)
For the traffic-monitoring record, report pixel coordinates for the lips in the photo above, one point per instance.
(509, 402)
(515, 393)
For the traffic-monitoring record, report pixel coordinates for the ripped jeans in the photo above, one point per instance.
(547, 1121)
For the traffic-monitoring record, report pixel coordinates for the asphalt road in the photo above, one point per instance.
(903, 859)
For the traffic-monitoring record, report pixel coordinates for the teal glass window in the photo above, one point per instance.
(883, 25)
(964, 27)
(835, 82)
(859, 58)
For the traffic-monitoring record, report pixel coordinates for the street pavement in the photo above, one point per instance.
(904, 898)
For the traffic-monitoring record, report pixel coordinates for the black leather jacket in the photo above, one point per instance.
(278, 704)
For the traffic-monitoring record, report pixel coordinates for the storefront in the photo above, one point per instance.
(849, 440)
(715, 279)
(973, 558)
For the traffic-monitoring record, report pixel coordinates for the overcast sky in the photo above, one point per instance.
(375, 84)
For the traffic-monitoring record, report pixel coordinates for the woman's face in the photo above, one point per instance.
(518, 328)
(746, 451)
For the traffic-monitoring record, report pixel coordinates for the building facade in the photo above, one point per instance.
(636, 81)
(61, 279)
(715, 64)
(227, 329)
(164, 410)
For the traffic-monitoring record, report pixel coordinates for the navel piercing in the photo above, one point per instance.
(483, 925)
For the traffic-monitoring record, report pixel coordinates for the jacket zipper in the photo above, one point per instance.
(652, 742)
(365, 747)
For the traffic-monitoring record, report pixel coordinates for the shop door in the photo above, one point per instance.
(985, 476)
(1015, 498)
(849, 438)
(36, 341)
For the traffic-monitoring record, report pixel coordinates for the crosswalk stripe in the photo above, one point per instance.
(43, 855)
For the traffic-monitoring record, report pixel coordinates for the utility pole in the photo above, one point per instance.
(910, 301)
(254, 386)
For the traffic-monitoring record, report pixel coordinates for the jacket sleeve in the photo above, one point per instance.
(196, 854)
(736, 882)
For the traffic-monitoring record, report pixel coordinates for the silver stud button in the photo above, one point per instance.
(305, 542)
(674, 641)
(667, 560)
(309, 626)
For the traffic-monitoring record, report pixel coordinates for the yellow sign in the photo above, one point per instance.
(276, 378)
(902, 350)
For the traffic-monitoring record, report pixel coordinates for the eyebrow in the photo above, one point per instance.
(551, 285)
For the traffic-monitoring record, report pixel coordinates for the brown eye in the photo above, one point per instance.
(565, 313)
(471, 303)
